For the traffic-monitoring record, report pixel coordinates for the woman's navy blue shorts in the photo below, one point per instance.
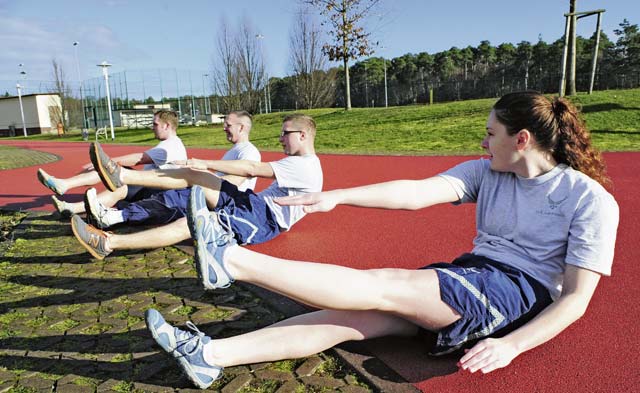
(491, 297)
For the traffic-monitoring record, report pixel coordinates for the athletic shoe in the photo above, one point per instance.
(211, 239)
(97, 214)
(186, 346)
(50, 182)
(108, 169)
(93, 239)
(61, 207)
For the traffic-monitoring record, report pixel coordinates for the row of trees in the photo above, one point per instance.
(482, 71)
(455, 74)
(239, 79)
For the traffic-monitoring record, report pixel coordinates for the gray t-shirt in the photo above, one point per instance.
(539, 224)
(165, 152)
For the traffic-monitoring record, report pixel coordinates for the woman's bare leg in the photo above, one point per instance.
(304, 335)
(410, 294)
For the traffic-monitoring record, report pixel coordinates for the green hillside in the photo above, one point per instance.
(447, 128)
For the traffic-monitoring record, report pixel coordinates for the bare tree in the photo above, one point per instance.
(251, 66)
(63, 90)
(225, 73)
(315, 86)
(350, 41)
(238, 69)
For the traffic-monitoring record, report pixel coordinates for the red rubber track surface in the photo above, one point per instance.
(596, 354)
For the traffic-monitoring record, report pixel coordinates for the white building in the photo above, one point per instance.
(42, 112)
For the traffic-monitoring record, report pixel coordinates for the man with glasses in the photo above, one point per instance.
(170, 149)
(165, 206)
(246, 217)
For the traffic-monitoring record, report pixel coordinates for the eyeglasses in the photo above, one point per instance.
(287, 132)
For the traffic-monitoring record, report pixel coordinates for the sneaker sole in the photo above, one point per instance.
(84, 244)
(87, 211)
(102, 171)
(91, 218)
(63, 213)
(45, 183)
(156, 336)
(185, 366)
(195, 204)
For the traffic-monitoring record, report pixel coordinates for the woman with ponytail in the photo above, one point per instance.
(546, 230)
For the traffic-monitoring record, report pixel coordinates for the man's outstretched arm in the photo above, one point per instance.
(244, 168)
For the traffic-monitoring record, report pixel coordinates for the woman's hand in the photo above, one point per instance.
(312, 202)
(488, 355)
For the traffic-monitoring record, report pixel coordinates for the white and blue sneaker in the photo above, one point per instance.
(211, 239)
(186, 346)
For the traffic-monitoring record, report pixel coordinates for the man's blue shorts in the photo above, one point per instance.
(155, 207)
(251, 219)
(491, 297)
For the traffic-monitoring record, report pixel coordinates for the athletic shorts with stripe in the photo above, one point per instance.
(491, 297)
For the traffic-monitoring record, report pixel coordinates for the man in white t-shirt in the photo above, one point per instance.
(165, 206)
(250, 218)
(170, 149)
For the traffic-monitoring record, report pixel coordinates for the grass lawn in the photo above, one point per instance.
(449, 128)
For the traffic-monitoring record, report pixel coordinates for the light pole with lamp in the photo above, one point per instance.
(384, 63)
(23, 74)
(104, 65)
(24, 127)
(266, 84)
(84, 117)
(207, 107)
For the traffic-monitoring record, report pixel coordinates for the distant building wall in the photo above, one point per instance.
(41, 113)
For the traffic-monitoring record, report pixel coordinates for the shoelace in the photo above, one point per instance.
(195, 336)
(225, 222)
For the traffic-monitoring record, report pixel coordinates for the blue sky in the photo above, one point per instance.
(162, 34)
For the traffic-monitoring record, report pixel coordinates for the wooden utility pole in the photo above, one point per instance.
(563, 67)
(569, 42)
(594, 60)
(572, 48)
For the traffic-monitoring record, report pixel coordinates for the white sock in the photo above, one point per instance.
(112, 217)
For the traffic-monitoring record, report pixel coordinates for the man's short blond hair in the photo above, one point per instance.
(169, 117)
(245, 118)
(303, 121)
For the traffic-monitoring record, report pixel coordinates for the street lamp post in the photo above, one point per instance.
(386, 101)
(24, 127)
(104, 65)
(84, 117)
(266, 75)
(207, 107)
(23, 74)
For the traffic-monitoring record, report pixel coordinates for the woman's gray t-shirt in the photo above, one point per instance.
(539, 224)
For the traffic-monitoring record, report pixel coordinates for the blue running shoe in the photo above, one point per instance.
(186, 346)
(211, 238)
(50, 182)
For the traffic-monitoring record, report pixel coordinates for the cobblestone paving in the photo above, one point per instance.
(70, 323)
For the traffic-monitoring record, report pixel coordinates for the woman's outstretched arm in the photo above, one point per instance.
(397, 194)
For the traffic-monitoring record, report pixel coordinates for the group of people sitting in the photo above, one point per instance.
(546, 230)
